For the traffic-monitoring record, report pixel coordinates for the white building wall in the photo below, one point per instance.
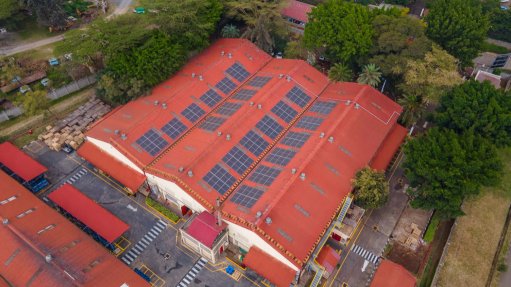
(108, 148)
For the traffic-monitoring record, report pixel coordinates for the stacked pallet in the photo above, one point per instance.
(69, 131)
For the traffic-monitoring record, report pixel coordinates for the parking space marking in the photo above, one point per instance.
(156, 280)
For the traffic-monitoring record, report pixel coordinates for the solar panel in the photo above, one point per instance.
(500, 61)
(244, 94)
(174, 128)
(210, 98)
(152, 142)
(254, 143)
(193, 113)
(227, 109)
(298, 96)
(309, 123)
(324, 108)
(281, 156)
(264, 175)
(259, 81)
(238, 72)
(295, 139)
(269, 127)
(284, 111)
(212, 123)
(247, 196)
(219, 179)
(238, 160)
(226, 85)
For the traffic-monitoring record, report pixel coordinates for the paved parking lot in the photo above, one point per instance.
(152, 246)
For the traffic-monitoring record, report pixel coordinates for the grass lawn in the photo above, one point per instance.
(475, 238)
(489, 47)
(430, 231)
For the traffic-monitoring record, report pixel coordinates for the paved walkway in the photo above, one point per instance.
(505, 277)
(499, 43)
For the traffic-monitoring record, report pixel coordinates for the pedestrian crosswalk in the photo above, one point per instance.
(77, 176)
(365, 254)
(192, 273)
(143, 243)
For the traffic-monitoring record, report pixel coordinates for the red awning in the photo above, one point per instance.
(272, 269)
(328, 258)
(389, 147)
(390, 274)
(121, 172)
(19, 162)
(89, 212)
(204, 228)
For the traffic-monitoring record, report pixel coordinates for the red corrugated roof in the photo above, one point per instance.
(297, 10)
(89, 212)
(390, 274)
(124, 174)
(389, 147)
(269, 267)
(29, 236)
(19, 162)
(204, 228)
(328, 258)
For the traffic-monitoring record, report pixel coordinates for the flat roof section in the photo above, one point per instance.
(121, 172)
(89, 212)
(19, 162)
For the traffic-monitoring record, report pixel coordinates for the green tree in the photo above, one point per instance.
(230, 31)
(342, 28)
(432, 76)
(370, 75)
(371, 188)
(9, 8)
(340, 72)
(34, 102)
(121, 90)
(479, 107)
(413, 108)
(500, 27)
(459, 26)
(444, 167)
(48, 12)
(295, 50)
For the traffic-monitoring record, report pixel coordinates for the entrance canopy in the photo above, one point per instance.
(100, 220)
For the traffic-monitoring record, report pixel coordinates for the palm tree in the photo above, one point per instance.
(230, 31)
(371, 75)
(414, 107)
(260, 33)
(340, 73)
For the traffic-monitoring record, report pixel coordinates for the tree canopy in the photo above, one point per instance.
(9, 7)
(371, 188)
(479, 107)
(500, 27)
(34, 102)
(459, 26)
(444, 167)
(340, 72)
(342, 28)
(370, 75)
(48, 12)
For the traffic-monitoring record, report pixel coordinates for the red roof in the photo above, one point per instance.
(389, 147)
(19, 162)
(390, 274)
(269, 267)
(297, 10)
(35, 230)
(482, 76)
(89, 212)
(328, 258)
(124, 174)
(204, 228)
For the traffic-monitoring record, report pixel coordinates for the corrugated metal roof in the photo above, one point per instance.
(297, 10)
(390, 274)
(271, 268)
(20, 163)
(388, 148)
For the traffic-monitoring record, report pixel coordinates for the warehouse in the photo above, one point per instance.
(268, 146)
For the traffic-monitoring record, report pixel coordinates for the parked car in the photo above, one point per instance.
(278, 55)
(53, 61)
(68, 56)
(24, 89)
(71, 18)
(3, 30)
(67, 149)
(139, 10)
(45, 82)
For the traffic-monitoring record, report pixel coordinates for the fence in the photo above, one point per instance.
(72, 87)
(10, 113)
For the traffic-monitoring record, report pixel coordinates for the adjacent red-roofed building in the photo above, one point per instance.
(20, 163)
(278, 273)
(390, 274)
(328, 258)
(389, 147)
(39, 247)
(297, 13)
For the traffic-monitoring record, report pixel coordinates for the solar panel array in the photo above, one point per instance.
(193, 112)
(152, 142)
(212, 123)
(254, 143)
(226, 85)
(309, 123)
(280, 156)
(244, 94)
(264, 175)
(219, 179)
(284, 111)
(247, 196)
(238, 72)
(238, 160)
(295, 139)
(269, 127)
(323, 107)
(228, 109)
(298, 96)
(174, 128)
(259, 81)
(210, 98)
(500, 61)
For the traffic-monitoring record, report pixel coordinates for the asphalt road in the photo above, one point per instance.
(505, 277)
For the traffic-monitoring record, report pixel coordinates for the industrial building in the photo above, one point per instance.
(261, 150)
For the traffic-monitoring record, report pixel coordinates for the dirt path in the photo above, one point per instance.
(29, 46)
(56, 109)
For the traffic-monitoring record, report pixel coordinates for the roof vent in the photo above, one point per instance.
(251, 104)
(156, 102)
(229, 55)
(259, 106)
(48, 258)
(5, 221)
(331, 139)
(193, 75)
(302, 176)
(228, 137)
(181, 169)
(281, 76)
(222, 53)
(190, 173)
(250, 58)
(164, 106)
(267, 220)
(116, 132)
(200, 78)
(322, 135)
(357, 106)
(293, 170)
(124, 137)
(348, 102)
(288, 78)
(219, 133)
(259, 214)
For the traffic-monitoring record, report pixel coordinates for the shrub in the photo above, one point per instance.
(162, 209)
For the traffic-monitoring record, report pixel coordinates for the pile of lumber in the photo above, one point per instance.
(70, 129)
